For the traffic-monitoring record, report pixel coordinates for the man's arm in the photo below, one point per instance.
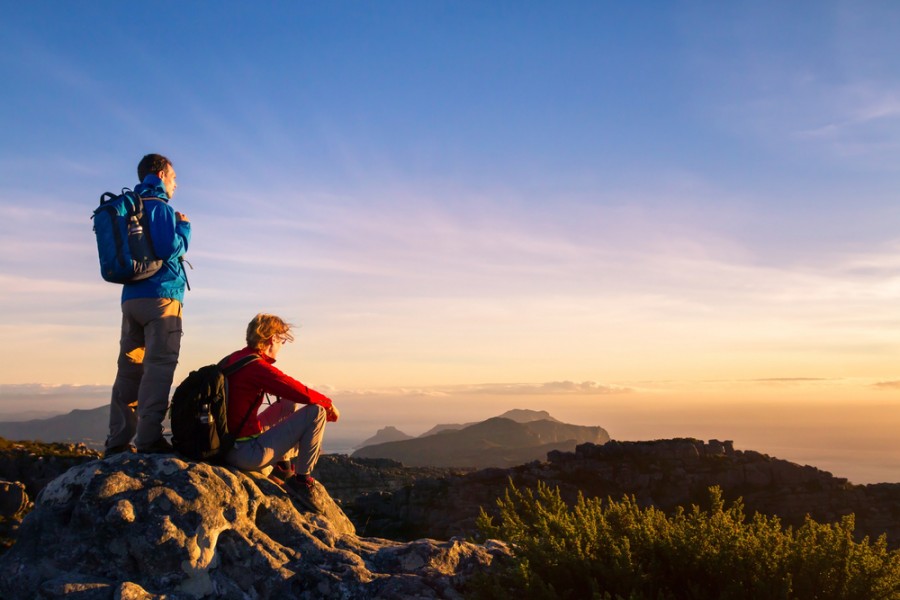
(171, 235)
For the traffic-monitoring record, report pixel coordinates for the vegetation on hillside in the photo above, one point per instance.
(619, 550)
(65, 450)
(41, 461)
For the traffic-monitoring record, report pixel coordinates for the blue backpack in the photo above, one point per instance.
(123, 238)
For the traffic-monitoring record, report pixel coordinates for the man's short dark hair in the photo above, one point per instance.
(151, 165)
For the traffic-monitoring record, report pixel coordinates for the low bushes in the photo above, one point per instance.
(619, 550)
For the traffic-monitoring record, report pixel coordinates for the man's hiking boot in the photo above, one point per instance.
(160, 446)
(128, 448)
(302, 488)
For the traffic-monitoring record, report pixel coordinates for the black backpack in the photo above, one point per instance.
(199, 412)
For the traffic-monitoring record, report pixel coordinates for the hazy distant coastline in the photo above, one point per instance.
(855, 441)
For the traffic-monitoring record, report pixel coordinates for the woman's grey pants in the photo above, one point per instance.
(291, 432)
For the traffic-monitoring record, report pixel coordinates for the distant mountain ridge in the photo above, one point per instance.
(497, 442)
(519, 415)
(88, 426)
(392, 434)
(528, 435)
(384, 435)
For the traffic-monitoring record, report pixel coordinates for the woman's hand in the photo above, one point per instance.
(332, 414)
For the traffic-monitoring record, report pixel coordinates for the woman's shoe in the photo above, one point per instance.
(302, 489)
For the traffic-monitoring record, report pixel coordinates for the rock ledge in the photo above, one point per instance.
(157, 527)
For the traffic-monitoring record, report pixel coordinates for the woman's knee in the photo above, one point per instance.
(319, 413)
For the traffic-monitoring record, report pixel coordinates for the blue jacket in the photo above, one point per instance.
(170, 242)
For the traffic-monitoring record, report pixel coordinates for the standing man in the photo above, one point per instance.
(151, 322)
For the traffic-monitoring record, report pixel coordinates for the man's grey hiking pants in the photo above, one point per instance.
(148, 354)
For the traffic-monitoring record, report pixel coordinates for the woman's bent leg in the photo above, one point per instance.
(300, 433)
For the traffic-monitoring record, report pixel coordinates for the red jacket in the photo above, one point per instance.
(248, 385)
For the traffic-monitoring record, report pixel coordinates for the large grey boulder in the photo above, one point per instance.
(143, 526)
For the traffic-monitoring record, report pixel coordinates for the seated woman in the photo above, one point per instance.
(291, 428)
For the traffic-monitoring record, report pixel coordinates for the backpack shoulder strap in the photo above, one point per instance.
(233, 368)
(137, 203)
(237, 365)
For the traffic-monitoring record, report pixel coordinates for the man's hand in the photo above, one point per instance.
(181, 217)
(332, 414)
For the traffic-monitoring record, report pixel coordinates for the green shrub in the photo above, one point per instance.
(45, 448)
(618, 550)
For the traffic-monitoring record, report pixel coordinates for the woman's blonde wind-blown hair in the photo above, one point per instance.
(263, 327)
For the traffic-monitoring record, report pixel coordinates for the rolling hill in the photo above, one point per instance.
(89, 426)
(496, 442)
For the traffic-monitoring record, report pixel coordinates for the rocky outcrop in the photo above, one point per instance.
(663, 473)
(144, 526)
(25, 468)
(36, 464)
(496, 442)
(137, 526)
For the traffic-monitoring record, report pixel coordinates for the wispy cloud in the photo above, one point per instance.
(568, 388)
(789, 379)
(857, 119)
(18, 391)
(832, 100)
(887, 385)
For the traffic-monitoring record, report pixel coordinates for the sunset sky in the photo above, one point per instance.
(647, 204)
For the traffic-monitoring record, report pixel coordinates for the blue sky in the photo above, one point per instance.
(630, 196)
